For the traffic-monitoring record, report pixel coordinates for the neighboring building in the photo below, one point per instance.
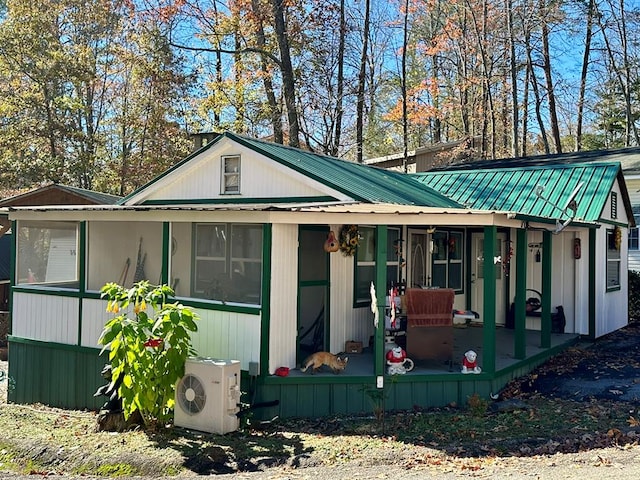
(239, 227)
(630, 161)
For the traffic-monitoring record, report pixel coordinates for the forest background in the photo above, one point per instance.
(107, 94)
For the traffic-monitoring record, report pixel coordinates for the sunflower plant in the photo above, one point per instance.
(148, 341)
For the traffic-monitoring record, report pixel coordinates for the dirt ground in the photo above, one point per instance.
(603, 374)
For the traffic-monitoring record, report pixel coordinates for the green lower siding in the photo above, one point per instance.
(67, 377)
(54, 374)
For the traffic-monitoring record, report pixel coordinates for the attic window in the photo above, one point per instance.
(614, 205)
(231, 174)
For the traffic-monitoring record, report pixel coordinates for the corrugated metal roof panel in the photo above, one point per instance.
(364, 183)
(514, 189)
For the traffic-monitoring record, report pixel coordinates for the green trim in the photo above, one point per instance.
(235, 199)
(520, 313)
(613, 289)
(166, 252)
(547, 289)
(12, 270)
(489, 299)
(54, 345)
(552, 221)
(265, 320)
(381, 293)
(613, 222)
(222, 307)
(41, 290)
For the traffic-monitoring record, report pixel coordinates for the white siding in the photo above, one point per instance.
(228, 335)
(612, 308)
(347, 323)
(94, 317)
(47, 318)
(259, 177)
(284, 295)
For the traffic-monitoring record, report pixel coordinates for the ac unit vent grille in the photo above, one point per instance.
(191, 395)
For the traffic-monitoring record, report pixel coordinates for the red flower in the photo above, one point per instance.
(153, 342)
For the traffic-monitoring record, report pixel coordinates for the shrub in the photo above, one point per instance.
(146, 352)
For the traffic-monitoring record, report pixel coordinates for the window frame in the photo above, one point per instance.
(449, 261)
(31, 278)
(230, 258)
(633, 238)
(393, 260)
(227, 173)
(612, 261)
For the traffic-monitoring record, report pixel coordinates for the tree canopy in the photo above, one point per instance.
(106, 94)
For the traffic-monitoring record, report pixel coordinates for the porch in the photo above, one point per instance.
(466, 338)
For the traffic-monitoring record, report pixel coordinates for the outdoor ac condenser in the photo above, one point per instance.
(208, 396)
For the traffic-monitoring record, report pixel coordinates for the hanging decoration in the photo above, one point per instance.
(349, 239)
(577, 249)
(617, 235)
(507, 258)
(331, 243)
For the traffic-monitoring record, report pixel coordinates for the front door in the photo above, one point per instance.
(313, 291)
(479, 275)
(417, 258)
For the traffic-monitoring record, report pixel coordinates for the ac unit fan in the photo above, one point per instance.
(191, 395)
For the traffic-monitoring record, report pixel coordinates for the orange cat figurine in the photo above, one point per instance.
(319, 359)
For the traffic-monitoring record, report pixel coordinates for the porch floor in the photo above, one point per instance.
(469, 338)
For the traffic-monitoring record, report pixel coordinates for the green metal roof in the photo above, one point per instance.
(513, 188)
(363, 183)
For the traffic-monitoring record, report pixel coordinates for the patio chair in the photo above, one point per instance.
(430, 323)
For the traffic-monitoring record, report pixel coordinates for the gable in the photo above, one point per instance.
(199, 180)
(276, 173)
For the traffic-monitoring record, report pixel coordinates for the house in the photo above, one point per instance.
(630, 161)
(50, 194)
(246, 232)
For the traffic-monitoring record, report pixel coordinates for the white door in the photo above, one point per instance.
(479, 275)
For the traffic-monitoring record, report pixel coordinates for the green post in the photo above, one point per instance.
(520, 313)
(547, 264)
(381, 287)
(166, 246)
(267, 245)
(489, 299)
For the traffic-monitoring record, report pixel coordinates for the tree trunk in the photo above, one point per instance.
(274, 109)
(288, 80)
(362, 75)
(583, 75)
(403, 88)
(513, 64)
(340, 87)
(546, 67)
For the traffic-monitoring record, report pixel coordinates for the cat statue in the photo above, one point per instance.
(319, 359)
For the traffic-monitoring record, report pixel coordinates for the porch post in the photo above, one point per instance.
(166, 247)
(520, 310)
(592, 284)
(545, 320)
(381, 294)
(489, 300)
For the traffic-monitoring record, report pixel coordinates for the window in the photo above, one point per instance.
(613, 259)
(446, 260)
(228, 262)
(231, 174)
(633, 239)
(366, 262)
(47, 254)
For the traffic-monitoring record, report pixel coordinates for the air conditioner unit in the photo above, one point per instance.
(208, 396)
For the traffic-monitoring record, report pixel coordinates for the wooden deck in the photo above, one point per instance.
(469, 338)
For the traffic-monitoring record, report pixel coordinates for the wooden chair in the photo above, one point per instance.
(430, 323)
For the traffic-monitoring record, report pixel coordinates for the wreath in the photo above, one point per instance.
(617, 237)
(349, 239)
